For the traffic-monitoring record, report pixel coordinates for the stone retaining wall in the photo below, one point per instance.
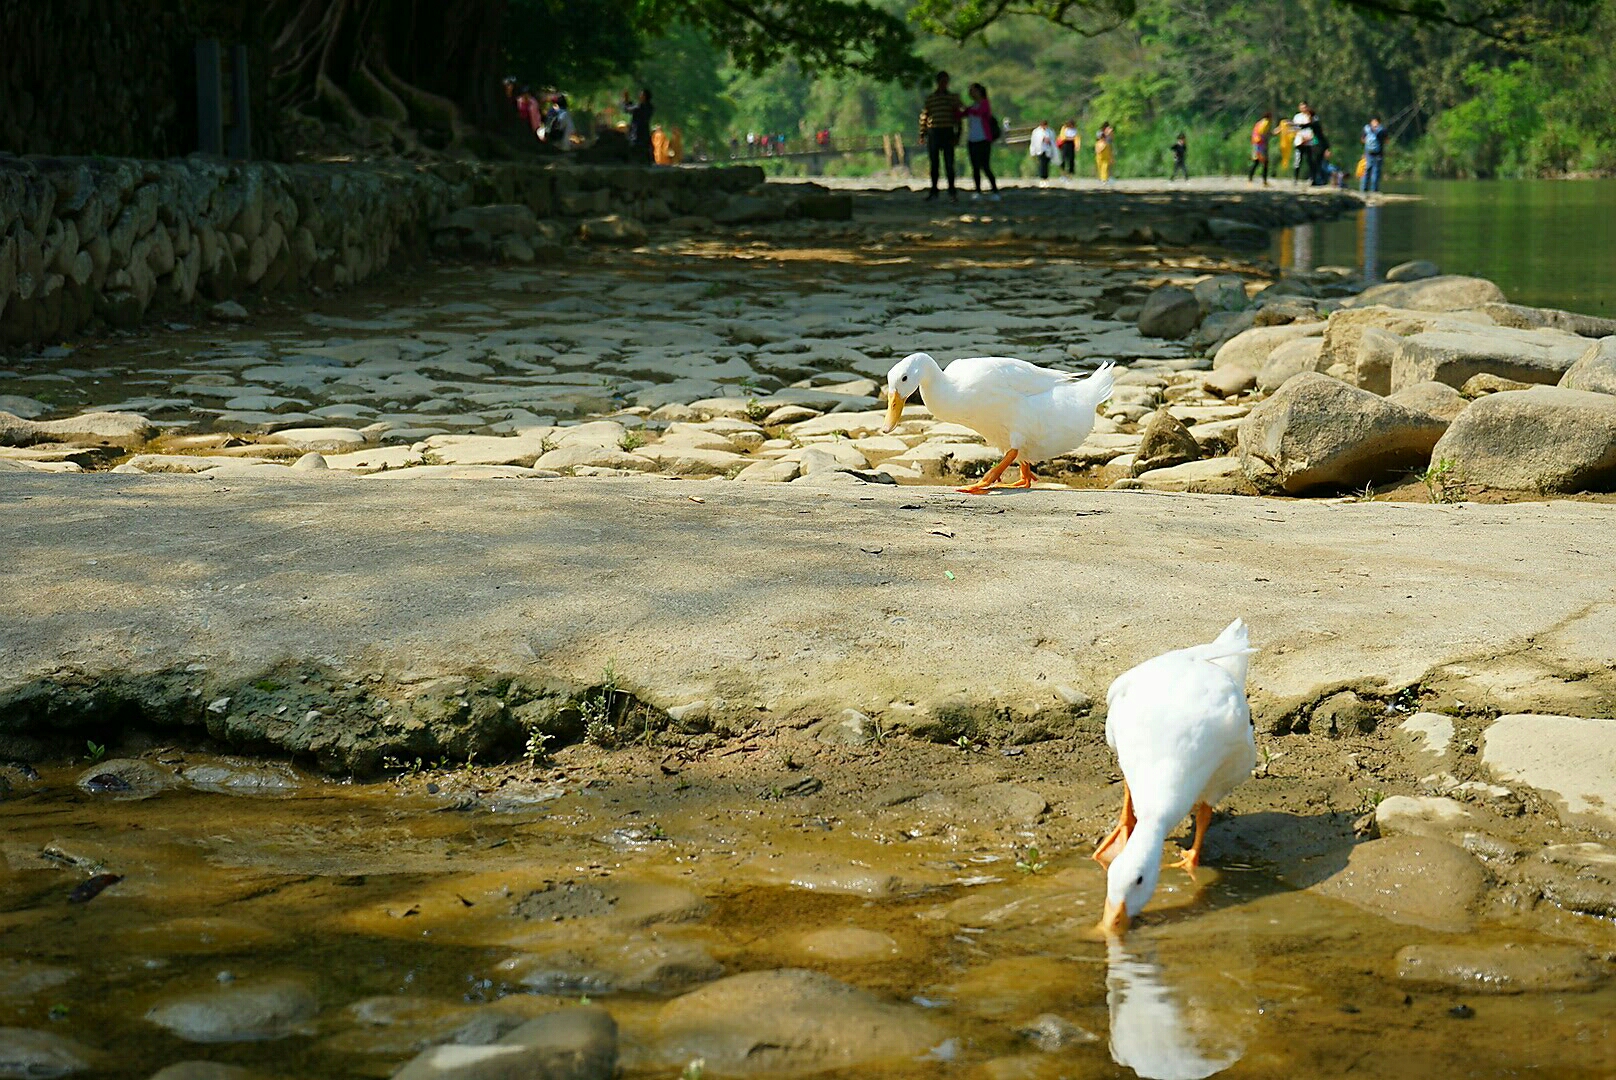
(86, 240)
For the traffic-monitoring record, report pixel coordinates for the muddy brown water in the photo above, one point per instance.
(411, 907)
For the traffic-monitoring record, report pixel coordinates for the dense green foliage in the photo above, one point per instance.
(1472, 88)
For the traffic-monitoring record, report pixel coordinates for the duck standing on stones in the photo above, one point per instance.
(1181, 728)
(1028, 413)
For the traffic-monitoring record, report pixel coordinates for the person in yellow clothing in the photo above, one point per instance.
(1287, 143)
(659, 147)
(1103, 151)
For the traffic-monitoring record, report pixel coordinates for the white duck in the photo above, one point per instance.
(1027, 412)
(1181, 728)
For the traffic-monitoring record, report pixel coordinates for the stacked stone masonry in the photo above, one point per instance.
(96, 240)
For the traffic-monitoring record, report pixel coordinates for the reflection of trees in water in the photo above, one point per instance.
(1167, 1033)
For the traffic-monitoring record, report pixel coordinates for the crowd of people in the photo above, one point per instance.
(1046, 144)
(550, 120)
(552, 123)
(1304, 143)
(945, 120)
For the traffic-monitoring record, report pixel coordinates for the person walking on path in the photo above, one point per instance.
(1260, 132)
(1103, 153)
(940, 128)
(639, 125)
(1303, 123)
(1320, 145)
(1180, 147)
(982, 129)
(1067, 143)
(1041, 148)
(1374, 148)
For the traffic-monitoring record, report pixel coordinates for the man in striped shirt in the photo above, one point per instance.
(940, 128)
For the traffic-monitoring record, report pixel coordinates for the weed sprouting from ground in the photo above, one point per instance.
(631, 440)
(1441, 484)
(612, 717)
(537, 751)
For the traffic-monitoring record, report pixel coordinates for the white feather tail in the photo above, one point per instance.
(1229, 650)
(1097, 387)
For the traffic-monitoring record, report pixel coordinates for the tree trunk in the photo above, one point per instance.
(406, 73)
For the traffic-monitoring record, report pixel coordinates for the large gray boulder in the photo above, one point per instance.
(1446, 292)
(1164, 443)
(1372, 362)
(1224, 292)
(1220, 326)
(1415, 270)
(1594, 370)
(1438, 399)
(1544, 439)
(1250, 349)
(1532, 318)
(1291, 358)
(1346, 327)
(1275, 309)
(1169, 312)
(1319, 432)
(1453, 356)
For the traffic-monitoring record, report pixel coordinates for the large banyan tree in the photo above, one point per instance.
(426, 72)
(423, 76)
(397, 75)
(413, 74)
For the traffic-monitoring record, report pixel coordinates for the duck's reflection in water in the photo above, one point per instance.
(1162, 1033)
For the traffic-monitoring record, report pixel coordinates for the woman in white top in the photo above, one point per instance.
(1042, 147)
(1303, 123)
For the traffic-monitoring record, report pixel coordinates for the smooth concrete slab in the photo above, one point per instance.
(773, 600)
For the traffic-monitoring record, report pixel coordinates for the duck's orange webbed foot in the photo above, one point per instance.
(985, 484)
(1191, 859)
(1114, 842)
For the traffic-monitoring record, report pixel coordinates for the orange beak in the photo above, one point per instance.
(1114, 922)
(894, 411)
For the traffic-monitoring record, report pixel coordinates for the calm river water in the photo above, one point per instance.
(1545, 242)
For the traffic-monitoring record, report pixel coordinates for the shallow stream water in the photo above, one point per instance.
(404, 915)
